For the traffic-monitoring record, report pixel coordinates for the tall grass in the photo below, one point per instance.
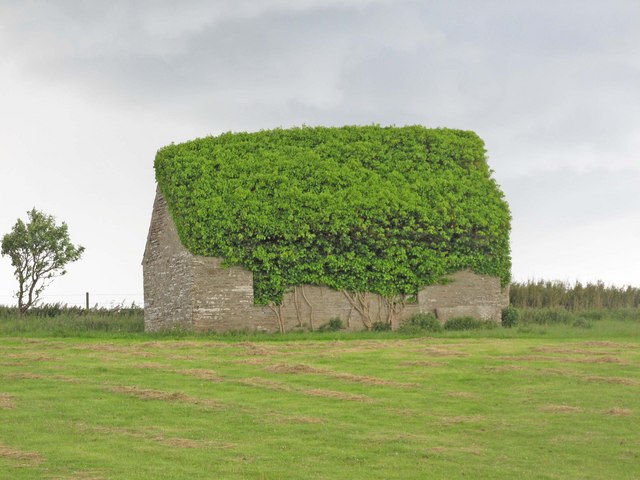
(63, 320)
(576, 297)
(55, 309)
(550, 316)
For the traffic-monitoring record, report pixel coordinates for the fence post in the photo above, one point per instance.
(87, 300)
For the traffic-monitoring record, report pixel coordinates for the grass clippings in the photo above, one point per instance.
(462, 419)
(81, 475)
(505, 368)
(348, 377)
(154, 366)
(604, 343)
(164, 396)
(352, 397)
(299, 368)
(253, 361)
(151, 434)
(474, 450)
(255, 349)
(266, 383)
(465, 395)
(617, 360)
(23, 376)
(22, 457)
(423, 364)
(181, 357)
(569, 351)
(6, 401)
(443, 351)
(613, 380)
(30, 357)
(303, 420)
(560, 409)
(146, 394)
(619, 412)
(545, 358)
(201, 373)
(530, 358)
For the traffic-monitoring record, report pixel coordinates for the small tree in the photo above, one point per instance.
(39, 251)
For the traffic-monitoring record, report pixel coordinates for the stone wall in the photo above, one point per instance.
(466, 294)
(222, 297)
(193, 292)
(168, 274)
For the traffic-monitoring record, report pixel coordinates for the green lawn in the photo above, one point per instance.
(549, 402)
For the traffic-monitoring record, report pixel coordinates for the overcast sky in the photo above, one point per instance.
(89, 91)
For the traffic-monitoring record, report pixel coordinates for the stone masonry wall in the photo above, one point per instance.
(467, 294)
(198, 293)
(223, 297)
(168, 274)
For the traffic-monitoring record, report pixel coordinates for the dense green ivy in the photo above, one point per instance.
(379, 209)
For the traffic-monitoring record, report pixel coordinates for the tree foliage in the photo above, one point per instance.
(364, 209)
(39, 250)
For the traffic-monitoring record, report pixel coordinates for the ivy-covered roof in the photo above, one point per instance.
(361, 208)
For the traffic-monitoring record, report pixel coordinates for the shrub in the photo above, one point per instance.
(464, 323)
(628, 314)
(62, 320)
(594, 314)
(421, 322)
(380, 326)
(332, 325)
(510, 316)
(581, 322)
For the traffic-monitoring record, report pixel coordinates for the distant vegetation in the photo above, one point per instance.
(59, 320)
(574, 297)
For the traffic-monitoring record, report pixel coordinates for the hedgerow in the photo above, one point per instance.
(363, 209)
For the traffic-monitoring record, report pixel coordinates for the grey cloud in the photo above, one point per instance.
(563, 199)
(552, 87)
(458, 64)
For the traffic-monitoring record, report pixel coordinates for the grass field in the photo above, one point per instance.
(551, 402)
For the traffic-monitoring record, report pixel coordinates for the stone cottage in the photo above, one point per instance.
(185, 291)
(198, 293)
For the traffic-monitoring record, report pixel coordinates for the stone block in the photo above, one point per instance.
(481, 312)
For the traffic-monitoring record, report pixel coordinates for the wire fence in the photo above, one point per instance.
(86, 299)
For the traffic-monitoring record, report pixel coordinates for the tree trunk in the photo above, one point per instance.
(360, 302)
(395, 305)
(310, 307)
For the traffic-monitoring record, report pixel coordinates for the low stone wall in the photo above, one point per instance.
(467, 294)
